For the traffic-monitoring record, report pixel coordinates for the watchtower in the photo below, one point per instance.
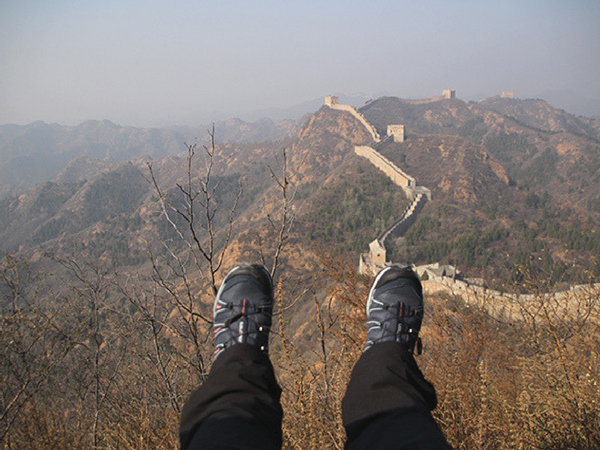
(397, 131)
(331, 100)
(449, 93)
(377, 253)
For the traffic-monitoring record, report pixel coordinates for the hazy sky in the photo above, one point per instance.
(158, 61)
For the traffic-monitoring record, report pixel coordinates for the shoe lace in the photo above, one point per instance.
(400, 311)
(248, 310)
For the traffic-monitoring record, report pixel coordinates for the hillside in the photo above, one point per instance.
(513, 186)
(505, 192)
(539, 115)
(106, 292)
(38, 152)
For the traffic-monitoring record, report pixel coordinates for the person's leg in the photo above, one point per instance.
(238, 406)
(388, 401)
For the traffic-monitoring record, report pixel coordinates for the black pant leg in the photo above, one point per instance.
(388, 402)
(238, 407)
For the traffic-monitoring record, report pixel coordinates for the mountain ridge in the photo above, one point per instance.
(504, 191)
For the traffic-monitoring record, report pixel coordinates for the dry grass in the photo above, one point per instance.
(531, 382)
(528, 383)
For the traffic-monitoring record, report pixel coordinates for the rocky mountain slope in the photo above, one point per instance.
(514, 183)
(539, 147)
(35, 153)
(106, 312)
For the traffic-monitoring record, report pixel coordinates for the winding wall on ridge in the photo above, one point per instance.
(386, 166)
(501, 306)
(417, 194)
(400, 226)
(370, 128)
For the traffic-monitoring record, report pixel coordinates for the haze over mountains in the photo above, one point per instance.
(513, 181)
(37, 152)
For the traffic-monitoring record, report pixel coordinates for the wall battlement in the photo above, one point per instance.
(418, 195)
(400, 226)
(331, 100)
(501, 305)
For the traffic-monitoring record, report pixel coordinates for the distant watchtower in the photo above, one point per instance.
(449, 93)
(331, 100)
(377, 253)
(397, 131)
(507, 95)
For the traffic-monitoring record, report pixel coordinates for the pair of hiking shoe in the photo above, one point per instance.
(243, 308)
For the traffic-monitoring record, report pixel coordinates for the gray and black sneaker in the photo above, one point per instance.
(243, 308)
(395, 308)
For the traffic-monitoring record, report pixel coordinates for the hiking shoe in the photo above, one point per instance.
(243, 308)
(395, 308)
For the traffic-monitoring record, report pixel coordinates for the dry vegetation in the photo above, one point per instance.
(91, 357)
(528, 382)
(86, 372)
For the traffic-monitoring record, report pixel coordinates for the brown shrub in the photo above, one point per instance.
(528, 381)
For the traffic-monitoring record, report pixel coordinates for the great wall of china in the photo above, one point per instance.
(382, 163)
(408, 217)
(376, 258)
(333, 103)
(501, 306)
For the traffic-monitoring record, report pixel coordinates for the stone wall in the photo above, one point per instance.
(397, 132)
(409, 216)
(417, 194)
(449, 93)
(332, 103)
(390, 169)
(331, 100)
(510, 307)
